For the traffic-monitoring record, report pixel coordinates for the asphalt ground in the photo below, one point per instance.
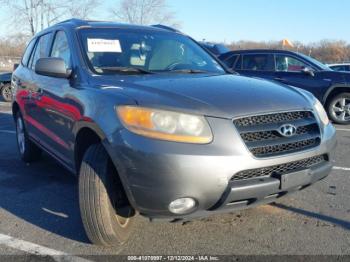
(39, 216)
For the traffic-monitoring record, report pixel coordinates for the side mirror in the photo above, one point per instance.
(52, 66)
(308, 71)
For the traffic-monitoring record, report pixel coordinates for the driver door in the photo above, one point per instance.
(289, 71)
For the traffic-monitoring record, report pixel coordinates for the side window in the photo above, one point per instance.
(41, 50)
(338, 68)
(61, 49)
(27, 53)
(287, 63)
(258, 62)
(231, 61)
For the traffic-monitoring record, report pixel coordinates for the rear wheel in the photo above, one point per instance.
(28, 151)
(339, 109)
(6, 93)
(106, 213)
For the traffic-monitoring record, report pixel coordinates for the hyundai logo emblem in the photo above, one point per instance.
(287, 130)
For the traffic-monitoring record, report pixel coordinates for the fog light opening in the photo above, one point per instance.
(182, 205)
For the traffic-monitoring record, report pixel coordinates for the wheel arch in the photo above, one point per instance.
(333, 91)
(87, 135)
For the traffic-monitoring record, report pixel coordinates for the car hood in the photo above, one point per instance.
(224, 96)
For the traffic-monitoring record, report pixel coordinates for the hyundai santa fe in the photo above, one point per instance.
(153, 125)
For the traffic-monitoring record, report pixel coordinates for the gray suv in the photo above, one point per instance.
(152, 124)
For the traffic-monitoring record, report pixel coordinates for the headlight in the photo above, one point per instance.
(321, 112)
(165, 125)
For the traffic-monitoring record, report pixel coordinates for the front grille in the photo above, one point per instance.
(284, 148)
(273, 118)
(257, 136)
(280, 169)
(262, 137)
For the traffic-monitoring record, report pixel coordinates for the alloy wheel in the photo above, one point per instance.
(6, 93)
(341, 109)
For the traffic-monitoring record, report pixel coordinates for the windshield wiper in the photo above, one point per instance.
(125, 69)
(188, 71)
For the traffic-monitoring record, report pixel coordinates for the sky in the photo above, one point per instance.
(258, 20)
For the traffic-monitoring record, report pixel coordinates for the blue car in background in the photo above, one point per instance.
(215, 49)
(5, 86)
(340, 67)
(331, 87)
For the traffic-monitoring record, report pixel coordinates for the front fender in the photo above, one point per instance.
(333, 88)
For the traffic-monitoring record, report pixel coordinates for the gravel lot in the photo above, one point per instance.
(39, 214)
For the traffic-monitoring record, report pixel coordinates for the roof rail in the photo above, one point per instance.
(166, 28)
(73, 20)
(68, 20)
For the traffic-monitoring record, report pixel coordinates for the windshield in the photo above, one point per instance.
(316, 62)
(114, 51)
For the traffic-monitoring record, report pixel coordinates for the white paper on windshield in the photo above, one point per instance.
(96, 45)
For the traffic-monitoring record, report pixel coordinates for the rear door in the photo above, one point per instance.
(289, 70)
(22, 82)
(259, 65)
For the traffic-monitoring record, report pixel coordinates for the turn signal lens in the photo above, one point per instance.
(165, 125)
(321, 112)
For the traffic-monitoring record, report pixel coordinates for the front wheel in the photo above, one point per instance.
(107, 216)
(339, 109)
(6, 93)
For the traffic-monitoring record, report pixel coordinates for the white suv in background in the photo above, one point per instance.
(340, 67)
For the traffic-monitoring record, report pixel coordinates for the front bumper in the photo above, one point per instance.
(154, 173)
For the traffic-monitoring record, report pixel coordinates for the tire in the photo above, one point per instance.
(6, 93)
(107, 216)
(339, 109)
(28, 151)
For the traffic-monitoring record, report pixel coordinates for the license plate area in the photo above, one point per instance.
(295, 179)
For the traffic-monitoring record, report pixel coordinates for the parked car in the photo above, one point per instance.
(5, 86)
(340, 67)
(330, 87)
(152, 124)
(215, 49)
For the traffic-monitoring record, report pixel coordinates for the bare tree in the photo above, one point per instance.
(34, 15)
(144, 12)
(83, 9)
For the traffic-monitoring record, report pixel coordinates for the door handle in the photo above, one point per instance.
(278, 79)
